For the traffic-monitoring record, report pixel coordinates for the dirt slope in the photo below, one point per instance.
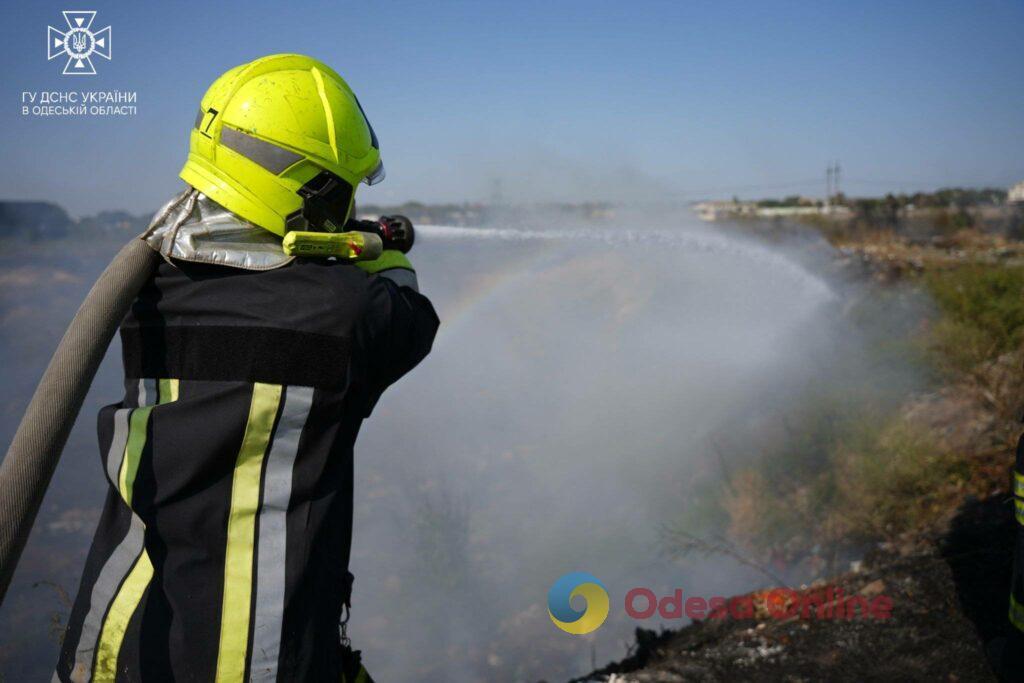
(946, 603)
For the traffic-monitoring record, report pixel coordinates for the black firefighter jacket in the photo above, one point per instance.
(223, 547)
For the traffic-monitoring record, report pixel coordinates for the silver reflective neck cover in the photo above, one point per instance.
(192, 227)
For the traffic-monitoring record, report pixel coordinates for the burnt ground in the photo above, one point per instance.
(948, 601)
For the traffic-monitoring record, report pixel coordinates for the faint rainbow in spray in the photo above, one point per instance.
(690, 242)
(461, 307)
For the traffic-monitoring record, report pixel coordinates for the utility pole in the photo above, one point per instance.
(832, 173)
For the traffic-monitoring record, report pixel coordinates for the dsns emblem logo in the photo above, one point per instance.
(79, 43)
(560, 607)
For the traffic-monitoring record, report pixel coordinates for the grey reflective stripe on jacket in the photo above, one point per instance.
(403, 277)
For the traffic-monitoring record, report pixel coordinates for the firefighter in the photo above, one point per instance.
(1007, 654)
(223, 547)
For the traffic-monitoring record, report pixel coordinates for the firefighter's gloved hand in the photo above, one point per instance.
(395, 232)
(393, 265)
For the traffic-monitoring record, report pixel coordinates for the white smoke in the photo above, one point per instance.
(562, 418)
(557, 423)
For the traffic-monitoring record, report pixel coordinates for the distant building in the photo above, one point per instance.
(717, 210)
(713, 210)
(1015, 195)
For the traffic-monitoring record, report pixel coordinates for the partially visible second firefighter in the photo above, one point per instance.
(1006, 653)
(222, 552)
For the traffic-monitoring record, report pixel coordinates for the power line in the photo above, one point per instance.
(865, 181)
(833, 179)
(748, 188)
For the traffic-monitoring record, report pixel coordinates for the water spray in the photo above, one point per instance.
(627, 238)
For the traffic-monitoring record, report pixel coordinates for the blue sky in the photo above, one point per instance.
(621, 101)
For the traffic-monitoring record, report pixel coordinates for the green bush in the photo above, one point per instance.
(892, 477)
(879, 476)
(843, 465)
(956, 347)
(982, 309)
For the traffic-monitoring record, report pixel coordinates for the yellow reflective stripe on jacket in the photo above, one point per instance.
(1018, 506)
(1018, 484)
(134, 586)
(139, 422)
(362, 676)
(389, 258)
(1016, 613)
(168, 390)
(121, 611)
(238, 559)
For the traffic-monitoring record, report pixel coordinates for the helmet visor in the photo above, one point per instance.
(376, 175)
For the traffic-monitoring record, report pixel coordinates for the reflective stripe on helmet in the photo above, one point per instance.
(268, 155)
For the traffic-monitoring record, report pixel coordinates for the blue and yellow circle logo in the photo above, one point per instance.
(560, 603)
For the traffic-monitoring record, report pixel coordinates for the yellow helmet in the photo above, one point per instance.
(283, 142)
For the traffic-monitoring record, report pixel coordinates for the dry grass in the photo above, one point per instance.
(894, 478)
(861, 475)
